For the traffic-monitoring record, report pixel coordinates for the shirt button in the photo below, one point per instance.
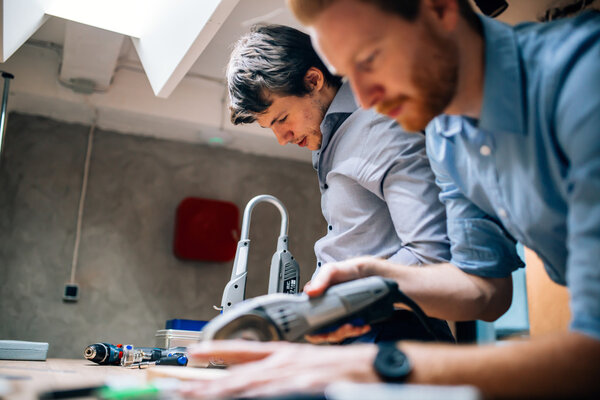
(319, 264)
(502, 213)
(485, 150)
(330, 227)
(325, 186)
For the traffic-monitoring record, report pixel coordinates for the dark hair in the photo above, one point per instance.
(271, 59)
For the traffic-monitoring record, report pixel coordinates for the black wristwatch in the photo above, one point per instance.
(391, 364)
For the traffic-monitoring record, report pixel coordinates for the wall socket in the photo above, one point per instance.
(71, 293)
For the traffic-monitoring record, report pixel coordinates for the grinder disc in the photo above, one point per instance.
(253, 326)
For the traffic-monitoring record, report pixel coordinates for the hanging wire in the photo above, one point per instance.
(86, 172)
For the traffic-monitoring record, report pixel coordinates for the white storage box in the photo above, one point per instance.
(167, 338)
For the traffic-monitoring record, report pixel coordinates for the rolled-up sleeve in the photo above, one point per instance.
(479, 244)
(578, 127)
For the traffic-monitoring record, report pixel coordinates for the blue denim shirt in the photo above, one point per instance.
(378, 193)
(529, 168)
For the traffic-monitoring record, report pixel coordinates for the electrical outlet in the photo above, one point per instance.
(71, 293)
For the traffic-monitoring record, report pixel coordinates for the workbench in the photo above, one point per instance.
(29, 378)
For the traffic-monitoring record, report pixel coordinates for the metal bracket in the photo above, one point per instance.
(7, 77)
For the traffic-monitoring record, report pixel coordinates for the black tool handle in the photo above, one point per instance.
(177, 360)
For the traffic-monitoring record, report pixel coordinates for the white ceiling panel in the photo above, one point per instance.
(90, 53)
(20, 19)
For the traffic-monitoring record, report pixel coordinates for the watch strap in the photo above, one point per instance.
(391, 363)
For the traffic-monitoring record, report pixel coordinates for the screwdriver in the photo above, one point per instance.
(177, 359)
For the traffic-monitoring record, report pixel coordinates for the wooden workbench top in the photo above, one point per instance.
(29, 378)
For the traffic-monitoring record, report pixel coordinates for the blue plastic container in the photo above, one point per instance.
(185, 324)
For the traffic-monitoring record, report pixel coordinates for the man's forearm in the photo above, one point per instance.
(444, 291)
(563, 365)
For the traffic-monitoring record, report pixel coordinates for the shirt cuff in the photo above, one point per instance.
(480, 247)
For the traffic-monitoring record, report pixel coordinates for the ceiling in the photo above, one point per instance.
(196, 110)
(213, 60)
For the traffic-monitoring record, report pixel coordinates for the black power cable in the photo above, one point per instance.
(400, 297)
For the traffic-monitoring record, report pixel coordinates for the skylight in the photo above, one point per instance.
(168, 36)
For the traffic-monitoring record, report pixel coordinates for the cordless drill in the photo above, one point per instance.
(110, 354)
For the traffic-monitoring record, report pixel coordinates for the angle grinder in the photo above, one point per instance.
(289, 317)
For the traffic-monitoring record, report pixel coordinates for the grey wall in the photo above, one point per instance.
(130, 282)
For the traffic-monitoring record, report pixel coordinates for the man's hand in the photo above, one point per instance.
(279, 368)
(343, 271)
(332, 274)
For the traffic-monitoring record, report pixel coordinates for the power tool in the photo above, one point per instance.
(177, 360)
(111, 354)
(289, 317)
(284, 275)
(135, 355)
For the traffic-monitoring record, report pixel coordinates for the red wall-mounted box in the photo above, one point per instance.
(206, 230)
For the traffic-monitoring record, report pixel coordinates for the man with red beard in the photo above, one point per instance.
(517, 158)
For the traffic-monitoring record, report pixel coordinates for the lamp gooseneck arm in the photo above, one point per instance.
(235, 290)
(260, 199)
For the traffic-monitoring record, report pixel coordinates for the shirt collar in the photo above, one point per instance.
(341, 107)
(503, 104)
(343, 102)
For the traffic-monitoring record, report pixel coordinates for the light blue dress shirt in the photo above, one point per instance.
(378, 193)
(529, 168)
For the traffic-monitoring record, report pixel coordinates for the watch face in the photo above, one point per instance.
(391, 364)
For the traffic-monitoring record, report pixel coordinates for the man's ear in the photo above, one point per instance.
(314, 79)
(446, 12)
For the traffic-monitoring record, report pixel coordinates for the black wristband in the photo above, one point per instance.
(391, 364)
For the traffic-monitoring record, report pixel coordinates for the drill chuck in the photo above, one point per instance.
(90, 352)
(104, 353)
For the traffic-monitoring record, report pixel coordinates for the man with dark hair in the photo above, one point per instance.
(517, 158)
(378, 193)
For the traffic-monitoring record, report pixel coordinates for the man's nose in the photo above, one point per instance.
(368, 93)
(284, 136)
